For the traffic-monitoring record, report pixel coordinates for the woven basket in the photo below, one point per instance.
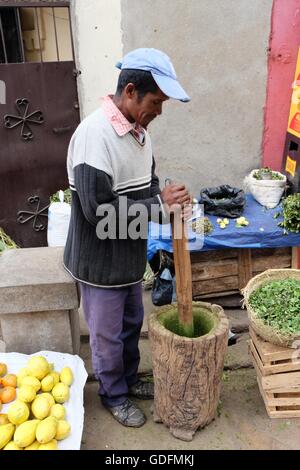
(267, 332)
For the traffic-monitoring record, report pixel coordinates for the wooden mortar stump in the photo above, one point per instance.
(187, 371)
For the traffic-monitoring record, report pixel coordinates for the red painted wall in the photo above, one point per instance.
(283, 51)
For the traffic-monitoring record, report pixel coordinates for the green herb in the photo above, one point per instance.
(277, 303)
(277, 214)
(291, 214)
(6, 243)
(67, 196)
(267, 173)
(202, 225)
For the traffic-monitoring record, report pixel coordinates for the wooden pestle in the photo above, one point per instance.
(183, 273)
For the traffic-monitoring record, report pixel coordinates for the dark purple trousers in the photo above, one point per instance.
(114, 318)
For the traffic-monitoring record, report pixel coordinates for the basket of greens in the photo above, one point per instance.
(272, 299)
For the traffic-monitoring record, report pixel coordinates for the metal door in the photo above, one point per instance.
(36, 123)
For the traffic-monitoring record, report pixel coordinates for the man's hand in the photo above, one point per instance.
(175, 194)
(187, 212)
(177, 199)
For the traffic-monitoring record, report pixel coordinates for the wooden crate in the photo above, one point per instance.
(278, 377)
(220, 273)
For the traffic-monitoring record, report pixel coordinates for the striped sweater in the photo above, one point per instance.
(102, 166)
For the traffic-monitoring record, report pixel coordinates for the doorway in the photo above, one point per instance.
(38, 115)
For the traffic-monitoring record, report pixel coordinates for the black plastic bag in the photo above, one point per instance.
(162, 291)
(223, 201)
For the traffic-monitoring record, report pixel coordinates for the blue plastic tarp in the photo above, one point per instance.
(262, 232)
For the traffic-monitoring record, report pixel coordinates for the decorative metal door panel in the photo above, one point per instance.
(36, 123)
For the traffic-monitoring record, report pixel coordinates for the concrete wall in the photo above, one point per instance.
(219, 50)
(98, 46)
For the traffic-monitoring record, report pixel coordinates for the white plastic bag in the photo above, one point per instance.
(59, 214)
(267, 192)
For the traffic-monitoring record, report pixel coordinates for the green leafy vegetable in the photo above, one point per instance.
(6, 242)
(291, 214)
(67, 196)
(277, 303)
(267, 173)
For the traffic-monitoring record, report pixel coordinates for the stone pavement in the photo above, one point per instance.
(242, 422)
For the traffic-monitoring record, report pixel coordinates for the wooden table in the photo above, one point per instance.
(220, 273)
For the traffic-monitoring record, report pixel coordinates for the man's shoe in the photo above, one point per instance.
(142, 390)
(128, 414)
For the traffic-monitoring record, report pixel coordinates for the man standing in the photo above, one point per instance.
(110, 158)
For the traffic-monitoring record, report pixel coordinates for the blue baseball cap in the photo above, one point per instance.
(161, 68)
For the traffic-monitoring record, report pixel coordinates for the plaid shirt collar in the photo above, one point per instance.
(119, 122)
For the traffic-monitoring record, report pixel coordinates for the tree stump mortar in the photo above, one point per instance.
(187, 371)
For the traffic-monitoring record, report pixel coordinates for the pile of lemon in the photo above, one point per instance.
(241, 222)
(223, 222)
(36, 420)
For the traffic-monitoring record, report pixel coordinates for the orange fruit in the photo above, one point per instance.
(3, 419)
(9, 380)
(3, 369)
(7, 394)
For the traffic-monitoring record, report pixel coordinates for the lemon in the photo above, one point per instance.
(25, 433)
(58, 411)
(61, 393)
(49, 398)
(33, 381)
(47, 383)
(66, 376)
(3, 419)
(6, 433)
(46, 430)
(12, 446)
(18, 412)
(38, 367)
(34, 446)
(22, 373)
(63, 430)
(40, 407)
(26, 393)
(52, 445)
(55, 376)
